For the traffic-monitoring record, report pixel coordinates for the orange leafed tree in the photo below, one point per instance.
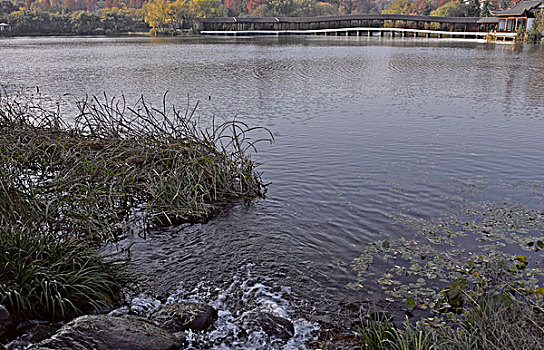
(237, 6)
(253, 4)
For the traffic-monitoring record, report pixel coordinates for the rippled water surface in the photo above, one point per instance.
(366, 130)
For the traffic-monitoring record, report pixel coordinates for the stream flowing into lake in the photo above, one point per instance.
(371, 136)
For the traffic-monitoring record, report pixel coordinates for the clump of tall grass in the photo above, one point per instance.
(68, 183)
(49, 277)
(114, 164)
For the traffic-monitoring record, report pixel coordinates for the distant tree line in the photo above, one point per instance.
(171, 16)
(46, 18)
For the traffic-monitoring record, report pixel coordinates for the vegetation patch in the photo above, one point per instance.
(68, 186)
(491, 322)
(117, 166)
(474, 278)
(49, 277)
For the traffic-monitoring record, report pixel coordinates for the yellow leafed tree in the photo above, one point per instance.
(158, 14)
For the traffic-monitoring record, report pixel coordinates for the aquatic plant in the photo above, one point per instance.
(493, 322)
(118, 166)
(485, 297)
(48, 277)
(496, 312)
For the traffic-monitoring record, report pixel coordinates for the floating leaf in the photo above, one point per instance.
(410, 303)
(522, 259)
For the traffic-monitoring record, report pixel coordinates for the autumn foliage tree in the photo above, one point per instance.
(236, 7)
(252, 5)
(158, 14)
(401, 7)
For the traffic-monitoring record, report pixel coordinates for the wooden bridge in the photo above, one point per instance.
(356, 25)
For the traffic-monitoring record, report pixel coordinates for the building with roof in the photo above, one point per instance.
(518, 17)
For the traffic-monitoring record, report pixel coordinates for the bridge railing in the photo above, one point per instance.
(476, 24)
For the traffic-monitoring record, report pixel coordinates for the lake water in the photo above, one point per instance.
(367, 131)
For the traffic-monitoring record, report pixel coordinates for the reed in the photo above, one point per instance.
(117, 167)
(71, 183)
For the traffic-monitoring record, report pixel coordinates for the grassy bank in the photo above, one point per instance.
(67, 187)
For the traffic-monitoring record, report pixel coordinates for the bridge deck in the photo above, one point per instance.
(393, 23)
(361, 31)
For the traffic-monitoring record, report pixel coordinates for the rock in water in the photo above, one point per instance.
(7, 325)
(101, 332)
(272, 325)
(4, 313)
(182, 316)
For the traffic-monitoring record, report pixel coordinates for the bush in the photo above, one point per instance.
(78, 22)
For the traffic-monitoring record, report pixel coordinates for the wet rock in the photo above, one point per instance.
(34, 331)
(182, 316)
(101, 332)
(4, 313)
(7, 325)
(272, 325)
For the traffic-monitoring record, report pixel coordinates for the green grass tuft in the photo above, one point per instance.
(47, 277)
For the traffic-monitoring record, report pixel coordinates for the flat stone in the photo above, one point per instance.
(101, 332)
(183, 316)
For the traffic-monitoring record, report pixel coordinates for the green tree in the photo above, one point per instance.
(181, 11)
(452, 9)
(401, 7)
(485, 11)
(83, 22)
(473, 7)
(207, 8)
